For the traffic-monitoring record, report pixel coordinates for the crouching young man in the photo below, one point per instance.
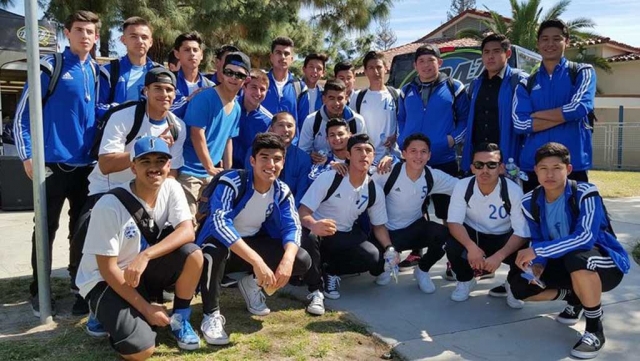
(251, 225)
(574, 251)
(122, 268)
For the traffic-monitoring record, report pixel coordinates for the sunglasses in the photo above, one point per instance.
(491, 165)
(234, 74)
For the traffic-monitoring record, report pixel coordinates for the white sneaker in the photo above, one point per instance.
(383, 278)
(212, 328)
(511, 300)
(253, 296)
(331, 286)
(316, 306)
(461, 293)
(424, 280)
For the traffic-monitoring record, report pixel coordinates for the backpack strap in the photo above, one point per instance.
(574, 202)
(114, 75)
(533, 77)
(393, 177)
(359, 99)
(428, 176)
(573, 71)
(102, 123)
(141, 109)
(504, 194)
(535, 208)
(172, 123)
(394, 94)
(297, 86)
(337, 179)
(372, 193)
(353, 128)
(54, 74)
(452, 89)
(515, 78)
(145, 223)
(316, 123)
(469, 192)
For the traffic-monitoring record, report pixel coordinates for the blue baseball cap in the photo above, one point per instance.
(146, 145)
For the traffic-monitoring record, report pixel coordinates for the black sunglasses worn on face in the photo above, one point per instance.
(491, 165)
(234, 74)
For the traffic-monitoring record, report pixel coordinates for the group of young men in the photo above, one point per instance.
(283, 178)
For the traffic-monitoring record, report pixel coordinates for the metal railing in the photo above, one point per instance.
(616, 146)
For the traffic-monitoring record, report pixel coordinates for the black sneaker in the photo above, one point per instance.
(80, 307)
(499, 291)
(35, 306)
(411, 261)
(228, 282)
(589, 345)
(449, 275)
(571, 314)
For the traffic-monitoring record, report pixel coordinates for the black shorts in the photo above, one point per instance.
(557, 273)
(441, 201)
(129, 332)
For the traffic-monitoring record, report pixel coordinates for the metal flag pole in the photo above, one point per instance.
(37, 150)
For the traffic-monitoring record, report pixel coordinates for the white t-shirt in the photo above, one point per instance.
(113, 232)
(310, 144)
(379, 112)
(313, 96)
(249, 221)
(191, 86)
(487, 214)
(113, 141)
(347, 202)
(404, 201)
(352, 98)
(280, 86)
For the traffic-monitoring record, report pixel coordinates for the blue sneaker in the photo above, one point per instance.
(94, 327)
(183, 332)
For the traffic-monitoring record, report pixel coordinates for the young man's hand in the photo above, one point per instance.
(384, 166)
(264, 275)
(156, 315)
(475, 256)
(340, 168)
(391, 140)
(525, 257)
(134, 270)
(451, 142)
(318, 158)
(324, 227)
(491, 264)
(167, 136)
(213, 171)
(28, 167)
(283, 273)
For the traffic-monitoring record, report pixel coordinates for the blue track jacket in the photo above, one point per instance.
(587, 230)
(435, 120)
(179, 107)
(555, 91)
(510, 142)
(251, 123)
(288, 102)
(283, 222)
(68, 115)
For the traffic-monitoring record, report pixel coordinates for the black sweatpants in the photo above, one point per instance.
(441, 201)
(421, 234)
(489, 243)
(343, 253)
(219, 260)
(557, 273)
(65, 182)
(78, 236)
(529, 185)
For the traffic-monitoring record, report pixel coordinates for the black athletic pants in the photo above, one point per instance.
(421, 234)
(64, 182)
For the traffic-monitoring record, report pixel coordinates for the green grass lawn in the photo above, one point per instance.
(616, 184)
(288, 333)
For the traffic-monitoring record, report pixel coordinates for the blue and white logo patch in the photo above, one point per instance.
(130, 231)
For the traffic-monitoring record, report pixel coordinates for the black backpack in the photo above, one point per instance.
(114, 75)
(337, 179)
(504, 193)
(393, 177)
(317, 122)
(141, 107)
(573, 75)
(54, 71)
(574, 204)
(393, 91)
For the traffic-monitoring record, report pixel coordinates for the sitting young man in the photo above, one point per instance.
(574, 252)
(121, 270)
(252, 225)
(407, 188)
(486, 222)
(329, 211)
(338, 135)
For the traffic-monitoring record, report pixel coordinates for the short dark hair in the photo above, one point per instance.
(342, 66)
(554, 23)
(171, 58)
(267, 141)
(553, 149)
(373, 55)
(487, 147)
(358, 139)
(335, 85)
(135, 20)
(279, 116)
(416, 136)
(83, 16)
(315, 56)
(283, 41)
(505, 43)
(190, 36)
(336, 122)
(227, 48)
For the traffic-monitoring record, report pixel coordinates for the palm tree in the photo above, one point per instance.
(522, 29)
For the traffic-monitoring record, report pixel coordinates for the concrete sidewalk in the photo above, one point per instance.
(432, 327)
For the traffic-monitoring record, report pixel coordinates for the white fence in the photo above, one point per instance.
(616, 146)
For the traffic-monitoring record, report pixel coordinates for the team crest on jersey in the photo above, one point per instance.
(130, 231)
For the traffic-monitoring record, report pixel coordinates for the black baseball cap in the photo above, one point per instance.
(238, 58)
(160, 75)
(427, 49)
(361, 138)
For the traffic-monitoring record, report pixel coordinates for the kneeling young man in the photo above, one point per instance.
(486, 222)
(121, 269)
(329, 211)
(574, 252)
(251, 225)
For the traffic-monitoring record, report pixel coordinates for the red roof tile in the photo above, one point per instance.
(625, 57)
(605, 40)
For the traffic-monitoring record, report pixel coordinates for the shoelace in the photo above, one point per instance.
(215, 322)
(258, 298)
(316, 299)
(333, 282)
(590, 339)
(188, 331)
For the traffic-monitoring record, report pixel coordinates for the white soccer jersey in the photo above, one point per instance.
(309, 143)
(379, 112)
(486, 214)
(345, 204)
(250, 219)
